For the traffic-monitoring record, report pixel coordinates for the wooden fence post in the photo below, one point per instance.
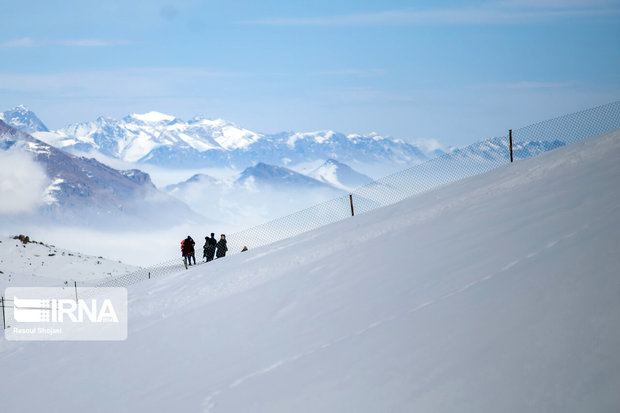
(76, 296)
(510, 137)
(351, 200)
(3, 318)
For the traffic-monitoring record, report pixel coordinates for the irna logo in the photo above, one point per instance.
(50, 313)
(62, 310)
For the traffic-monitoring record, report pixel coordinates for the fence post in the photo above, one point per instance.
(76, 296)
(510, 138)
(3, 318)
(149, 275)
(351, 200)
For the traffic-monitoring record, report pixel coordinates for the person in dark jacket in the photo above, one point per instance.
(209, 248)
(221, 247)
(193, 252)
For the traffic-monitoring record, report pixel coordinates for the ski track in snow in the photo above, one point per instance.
(210, 402)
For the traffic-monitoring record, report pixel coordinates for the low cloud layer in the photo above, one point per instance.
(22, 183)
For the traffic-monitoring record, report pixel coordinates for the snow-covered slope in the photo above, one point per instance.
(39, 264)
(498, 293)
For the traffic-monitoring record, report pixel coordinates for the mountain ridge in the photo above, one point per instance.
(164, 140)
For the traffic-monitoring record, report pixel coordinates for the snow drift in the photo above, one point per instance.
(38, 264)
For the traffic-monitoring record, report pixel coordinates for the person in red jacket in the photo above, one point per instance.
(187, 250)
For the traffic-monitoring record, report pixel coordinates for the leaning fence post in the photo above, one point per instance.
(76, 296)
(351, 200)
(3, 318)
(510, 138)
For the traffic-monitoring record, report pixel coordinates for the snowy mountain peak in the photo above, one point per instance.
(332, 161)
(104, 119)
(137, 176)
(209, 121)
(152, 117)
(276, 176)
(339, 175)
(22, 118)
(263, 169)
(198, 189)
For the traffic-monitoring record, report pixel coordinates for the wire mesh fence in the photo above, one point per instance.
(566, 129)
(458, 164)
(142, 274)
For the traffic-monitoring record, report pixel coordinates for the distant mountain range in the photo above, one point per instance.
(164, 140)
(263, 177)
(497, 149)
(159, 139)
(259, 193)
(267, 182)
(83, 190)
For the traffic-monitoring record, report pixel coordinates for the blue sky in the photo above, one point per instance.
(455, 71)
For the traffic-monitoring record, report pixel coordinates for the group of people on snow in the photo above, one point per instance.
(212, 248)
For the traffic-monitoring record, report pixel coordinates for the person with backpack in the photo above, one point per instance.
(221, 247)
(210, 247)
(187, 250)
(193, 252)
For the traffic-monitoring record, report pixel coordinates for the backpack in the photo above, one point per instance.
(183, 245)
